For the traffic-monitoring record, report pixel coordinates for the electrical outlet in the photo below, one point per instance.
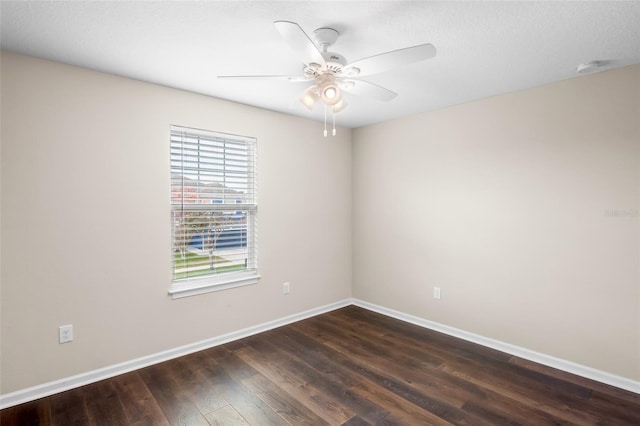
(437, 294)
(65, 333)
(285, 288)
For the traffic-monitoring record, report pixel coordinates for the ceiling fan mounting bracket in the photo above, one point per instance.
(325, 37)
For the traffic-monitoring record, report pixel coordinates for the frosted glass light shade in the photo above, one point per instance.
(339, 106)
(310, 97)
(331, 95)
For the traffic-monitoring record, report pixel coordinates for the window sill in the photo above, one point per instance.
(195, 286)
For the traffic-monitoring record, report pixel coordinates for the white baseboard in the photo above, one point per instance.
(51, 388)
(540, 358)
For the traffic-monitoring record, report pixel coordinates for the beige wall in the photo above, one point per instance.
(509, 205)
(85, 220)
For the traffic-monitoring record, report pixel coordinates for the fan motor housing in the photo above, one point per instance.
(334, 63)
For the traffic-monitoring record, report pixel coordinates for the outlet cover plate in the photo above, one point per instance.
(437, 294)
(65, 333)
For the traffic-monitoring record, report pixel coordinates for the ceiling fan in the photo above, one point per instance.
(330, 71)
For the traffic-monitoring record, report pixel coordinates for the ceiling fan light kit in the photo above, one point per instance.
(332, 74)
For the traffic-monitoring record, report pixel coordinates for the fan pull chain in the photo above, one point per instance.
(334, 121)
(325, 121)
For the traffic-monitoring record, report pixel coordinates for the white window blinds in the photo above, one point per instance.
(213, 210)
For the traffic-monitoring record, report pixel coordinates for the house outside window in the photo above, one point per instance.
(213, 211)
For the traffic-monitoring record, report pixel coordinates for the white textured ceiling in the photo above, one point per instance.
(483, 48)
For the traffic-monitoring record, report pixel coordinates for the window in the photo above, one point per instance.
(213, 211)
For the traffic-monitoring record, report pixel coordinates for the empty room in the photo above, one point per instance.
(319, 213)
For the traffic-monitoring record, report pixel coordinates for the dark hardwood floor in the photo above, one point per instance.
(347, 367)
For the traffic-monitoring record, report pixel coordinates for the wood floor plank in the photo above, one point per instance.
(518, 390)
(528, 379)
(418, 334)
(286, 405)
(376, 356)
(620, 411)
(103, 404)
(220, 375)
(496, 405)
(356, 421)
(349, 367)
(322, 405)
(226, 416)
(8, 416)
(32, 413)
(601, 388)
(175, 405)
(138, 402)
(369, 365)
(409, 349)
(203, 395)
(400, 410)
(408, 368)
(68, 408)
(402, 369)
(330, 377)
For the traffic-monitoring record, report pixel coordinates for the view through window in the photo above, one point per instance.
(213, 209)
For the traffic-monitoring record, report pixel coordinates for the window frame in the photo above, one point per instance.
(189, 286)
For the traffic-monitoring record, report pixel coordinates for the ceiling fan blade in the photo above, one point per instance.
(293, 78)
(366, 89)
(385, 61)
(299, 42)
